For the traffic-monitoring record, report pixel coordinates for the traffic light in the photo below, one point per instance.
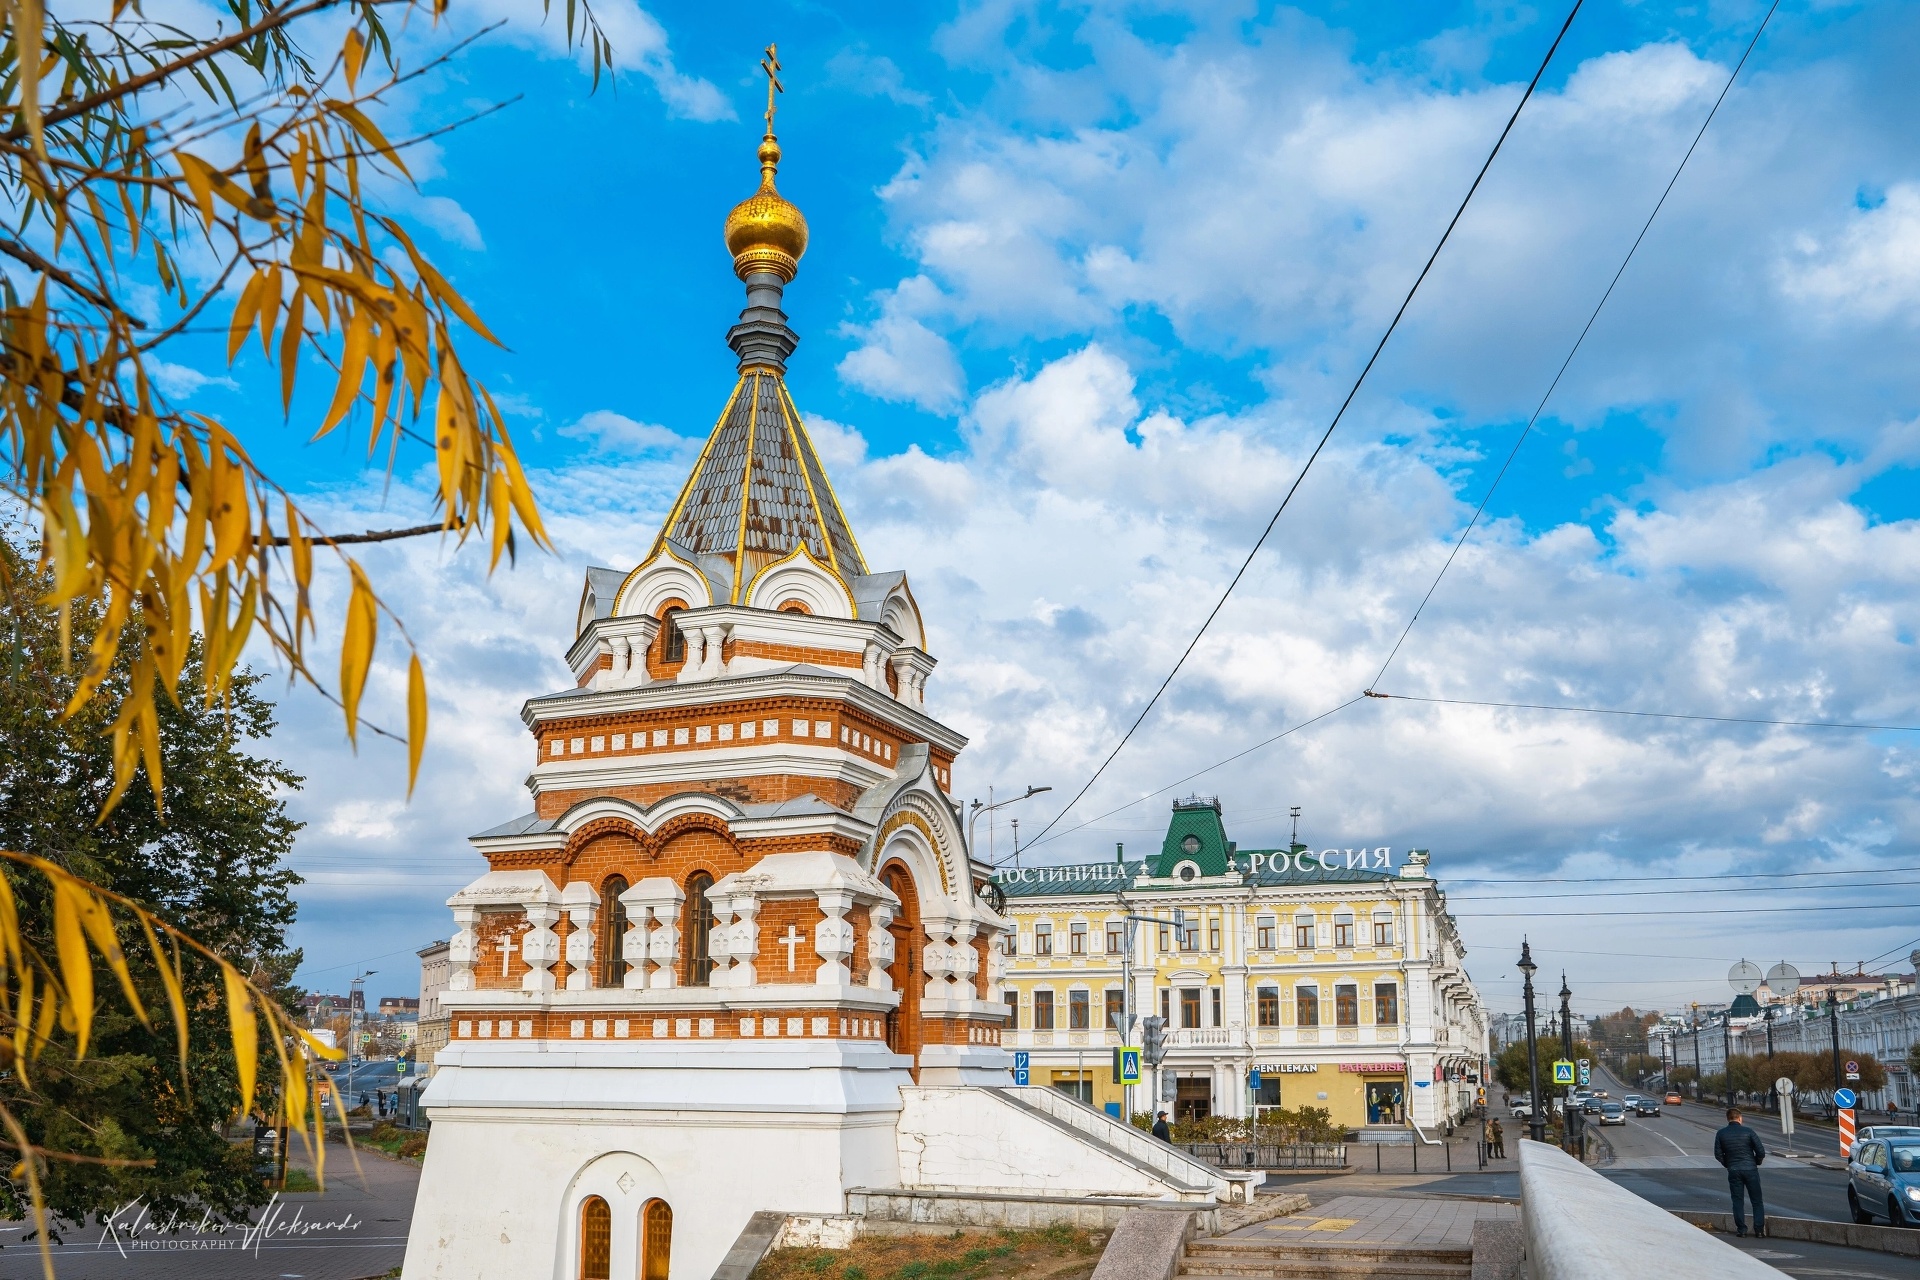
(1153, 1040)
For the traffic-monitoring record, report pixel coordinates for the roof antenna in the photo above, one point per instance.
(1119, 853)
(1296, 825)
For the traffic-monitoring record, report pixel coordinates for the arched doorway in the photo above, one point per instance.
(904, 1030)
(656, 1240)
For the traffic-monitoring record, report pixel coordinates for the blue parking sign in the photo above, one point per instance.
(1021, 1074)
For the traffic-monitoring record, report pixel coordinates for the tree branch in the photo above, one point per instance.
(23, 253)
(346, 539)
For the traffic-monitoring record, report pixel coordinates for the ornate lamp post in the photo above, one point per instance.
(1536, 1122)
(1570, 1123)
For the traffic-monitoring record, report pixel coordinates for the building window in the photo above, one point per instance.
(1010, 942)
(1043, 939)
(1267, 1006)
(1216, 1006)
(1116, 937)
(596, 1240)
(1166, 1006)
(673, 641)
(1079, 1011)
(1190, 935)
(1165, 945)
(1346, 1005)
(1306, 1006)
(1077, 938)
(1303, 933)
(1383, 933)
(613, 932)
(1386, 1004)
(1343, 933)
(1263, 934)
(1116, 1006)
(1190, 1006)
(1043, 1011)
(656, 1242)
(699, 928)
(1013, 1009)
(1213, 935)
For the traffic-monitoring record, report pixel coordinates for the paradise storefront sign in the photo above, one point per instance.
(1374, 1068)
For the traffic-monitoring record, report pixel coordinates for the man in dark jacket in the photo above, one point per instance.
(1161, 1129)
(1738, 1149)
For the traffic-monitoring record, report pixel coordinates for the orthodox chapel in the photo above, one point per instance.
(736, 958)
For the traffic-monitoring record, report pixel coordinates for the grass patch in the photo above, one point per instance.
(395, 1141)
(1052, 1253)
(299, 1179)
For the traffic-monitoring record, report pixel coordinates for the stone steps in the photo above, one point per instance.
(1230, 1259)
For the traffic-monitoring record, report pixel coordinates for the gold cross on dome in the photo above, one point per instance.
(770, 64)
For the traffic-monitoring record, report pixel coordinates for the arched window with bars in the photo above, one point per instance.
(673, 641)
(613, 932)
(656, 1240)
(699, 926)
(596, 1239)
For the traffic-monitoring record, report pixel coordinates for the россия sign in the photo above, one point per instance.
(1306, 861)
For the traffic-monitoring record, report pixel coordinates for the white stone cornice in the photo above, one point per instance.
(639, 630)
(832, 763)
(706, 695)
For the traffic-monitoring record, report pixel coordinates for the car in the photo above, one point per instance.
(1612, 1113)
(1592, 1106)
(1628, 1099)
(1673, 1098)
(1522, 1111)
(1646, 1107)
(1867, 1133)
(1883, 1179)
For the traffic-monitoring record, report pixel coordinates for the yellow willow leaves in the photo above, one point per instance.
(416, 719)
(356, 646)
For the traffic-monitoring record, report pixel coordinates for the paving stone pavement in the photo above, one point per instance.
(356, 1229)
(1381, 1220)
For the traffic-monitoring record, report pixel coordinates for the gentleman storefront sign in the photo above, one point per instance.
(1286, 1068)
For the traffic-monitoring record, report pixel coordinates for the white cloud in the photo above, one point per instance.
(899, 358)
(873, 75)
(611, 432)
(179, 382)
(1868, 269)
(639, 43)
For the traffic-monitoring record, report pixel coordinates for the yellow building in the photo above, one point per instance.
(1335, 973)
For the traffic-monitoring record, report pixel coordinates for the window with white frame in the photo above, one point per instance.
(1043, 939)
(1263, 937)
(1303, 932)
(1077, 938)
(1383, 930)
(1343, 931)
(1267, 1007)
(1116, 937)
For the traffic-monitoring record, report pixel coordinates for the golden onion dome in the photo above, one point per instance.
(765, 232)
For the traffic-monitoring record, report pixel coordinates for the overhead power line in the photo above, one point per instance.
(1339, 414)
(1651, 715)
(1704, 911)
(1577, 342)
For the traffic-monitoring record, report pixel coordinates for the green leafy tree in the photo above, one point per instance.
(208, 855)
(1510, 1068)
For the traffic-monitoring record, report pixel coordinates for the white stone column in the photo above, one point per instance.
(652, 944)
(714, 666)
(743, 940)
(579, 901)
(540, 948)
(903, 677)
(880, 949)
(997, 968)
(940, 962)
(872, 659)
(833, 938)
(694, 667)
(966, 961)
(622, 660)
(463, 949)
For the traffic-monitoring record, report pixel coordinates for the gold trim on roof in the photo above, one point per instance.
(746, 493)
(700, 463)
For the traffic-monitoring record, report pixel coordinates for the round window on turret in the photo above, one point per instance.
(1191, 844)
(1186, 871)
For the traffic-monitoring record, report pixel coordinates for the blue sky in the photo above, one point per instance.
(1084, 282)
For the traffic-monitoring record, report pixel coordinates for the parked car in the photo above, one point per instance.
(1673, 1098)
(1883, 1178)
(1885, 1131)
(1646, 1107)
(1612, 1113)
(1522, 1110)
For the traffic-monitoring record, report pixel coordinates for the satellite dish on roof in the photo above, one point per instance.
(1783, 979)
(1744, 978)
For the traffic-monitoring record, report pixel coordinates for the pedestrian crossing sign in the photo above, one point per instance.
(1126, 1066)
(1562, 1071)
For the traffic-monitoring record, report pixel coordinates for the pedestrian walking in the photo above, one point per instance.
(1499, 1136)
(1738, 1150)
(1161, 1129)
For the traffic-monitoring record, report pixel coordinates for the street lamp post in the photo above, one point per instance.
(1536, 1123)
(356, 1009)
(978, 809)
(1696, 1050)
(1568, 1121)
(1833, 1024)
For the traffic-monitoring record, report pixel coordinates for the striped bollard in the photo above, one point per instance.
(1846, 1130)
